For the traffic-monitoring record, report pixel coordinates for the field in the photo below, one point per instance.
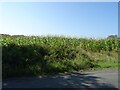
(34, 55)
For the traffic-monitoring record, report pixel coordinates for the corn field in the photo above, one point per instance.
(33, 55)
(86, 44)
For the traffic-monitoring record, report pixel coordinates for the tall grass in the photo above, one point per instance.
(33, 55)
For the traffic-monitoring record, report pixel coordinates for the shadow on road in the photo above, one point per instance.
(74, 80)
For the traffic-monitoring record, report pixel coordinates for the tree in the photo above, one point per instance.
(112, 36)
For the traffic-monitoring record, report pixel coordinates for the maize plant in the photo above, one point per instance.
(34, 51)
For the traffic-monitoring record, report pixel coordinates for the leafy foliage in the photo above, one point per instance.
(33, 55)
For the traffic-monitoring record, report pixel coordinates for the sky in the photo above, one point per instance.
(77, 19)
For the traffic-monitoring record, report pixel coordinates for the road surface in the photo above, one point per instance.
(107, 78)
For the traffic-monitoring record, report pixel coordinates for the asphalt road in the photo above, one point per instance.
(92, 79)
